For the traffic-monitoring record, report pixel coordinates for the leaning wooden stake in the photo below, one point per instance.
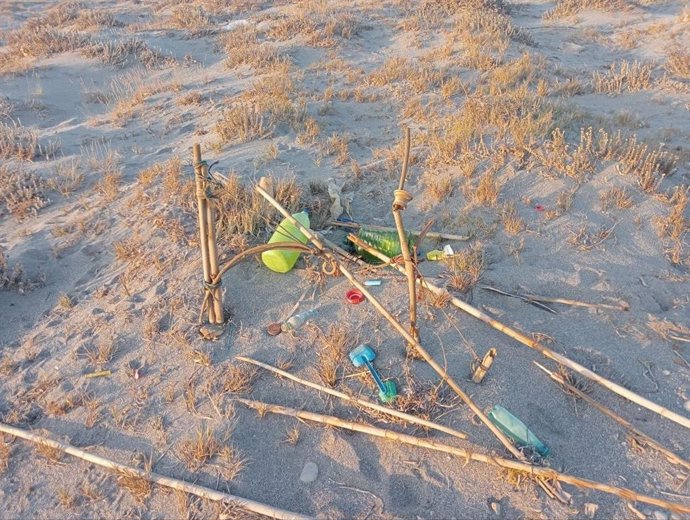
(187, 487)
(362, 402)
(544, 351)
(316, 240)
(402, 197)
(536, 471)
(216, 292)
(641, 436)
(203, 228)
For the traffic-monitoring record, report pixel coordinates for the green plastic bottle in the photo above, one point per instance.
(282, 260)
(388, 242)
(516, 430)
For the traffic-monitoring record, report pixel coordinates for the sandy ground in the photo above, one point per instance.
(99, 217)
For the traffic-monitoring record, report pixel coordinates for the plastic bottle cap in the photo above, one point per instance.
(354, 296)
(274, 329)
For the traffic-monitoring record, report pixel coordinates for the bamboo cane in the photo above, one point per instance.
(216, 291)
(203, 227)
(402, 197)
(194, 489)
(544, 351)
(536, 471)
(415, 232)
(672, 457)
(315, 239)
(361, 402)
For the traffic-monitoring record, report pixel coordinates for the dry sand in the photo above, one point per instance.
(111, 272)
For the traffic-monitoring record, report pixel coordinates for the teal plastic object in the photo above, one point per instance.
(516, 430)
(363, 355)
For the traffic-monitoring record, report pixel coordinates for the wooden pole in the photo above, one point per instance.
(203, 227)
(529, 342)
(535, 471)
(402, 197)
(361, 402)
(397, 326)
(672, 457)
(216, 290)
(415, 232)
(187, 487)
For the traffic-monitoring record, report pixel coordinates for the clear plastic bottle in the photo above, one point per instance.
(297, 320)
(282, 260)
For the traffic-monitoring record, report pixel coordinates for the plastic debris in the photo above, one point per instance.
(309, 472)
(516, 430)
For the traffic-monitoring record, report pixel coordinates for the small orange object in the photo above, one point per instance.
(274, 329)
(354, 296)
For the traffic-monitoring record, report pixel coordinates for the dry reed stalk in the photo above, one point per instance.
(672, 457)
(202, 210)
(316, 240)
(576, 303)
(402, 197)
(362, 402)
(529, 342)
(541, 472)
(429, 234)
(181, 485)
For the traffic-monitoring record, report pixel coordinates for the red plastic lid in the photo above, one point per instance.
(354, 296)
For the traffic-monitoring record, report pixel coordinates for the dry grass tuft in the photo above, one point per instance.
(582, 386)
(52, 454)
(317, 24)
(22, 191)
(335, 344)
(242, 210)
(676, 224)
(68, 177)
(678, 63)
(17, 142)
(140, 487)
(647, 166)
(616, 198)
(65, 302)
(123, 53)
(237, 379)
(242, 123)
(201, 448)
(465, 268)
(100, 353)
(5, 453)
(488, 189)
(564, 8)
(233, 462)
(623, 77)
(292, 436)
(66, 499)
(191, 18)
(587, 239)
(244, 47)
(512, 223)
